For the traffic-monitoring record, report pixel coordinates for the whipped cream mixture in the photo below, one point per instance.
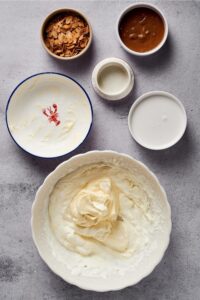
(102, 210)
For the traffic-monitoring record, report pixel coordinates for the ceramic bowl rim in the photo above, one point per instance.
(121, 94)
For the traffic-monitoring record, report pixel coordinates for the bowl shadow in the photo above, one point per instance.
(79, 65)
(159, 60)
(121, 107)
(171, 158)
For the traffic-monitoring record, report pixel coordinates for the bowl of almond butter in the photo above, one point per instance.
(66, 34)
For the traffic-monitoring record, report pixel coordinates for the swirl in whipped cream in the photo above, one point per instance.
(93, 208)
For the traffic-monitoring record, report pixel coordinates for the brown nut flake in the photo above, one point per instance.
(67, 35)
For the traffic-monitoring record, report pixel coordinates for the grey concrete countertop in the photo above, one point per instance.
(176, 69)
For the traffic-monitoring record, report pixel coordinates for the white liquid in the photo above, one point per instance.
(158, 121)
(113, 79)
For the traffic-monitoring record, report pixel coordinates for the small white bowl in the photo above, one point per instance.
(157, 120)
(49, 114)
(60, 259)
(107, 77)
(158, 11)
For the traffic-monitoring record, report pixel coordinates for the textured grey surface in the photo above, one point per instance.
(176, 69)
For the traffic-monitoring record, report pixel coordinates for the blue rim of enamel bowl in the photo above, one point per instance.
(44, 73)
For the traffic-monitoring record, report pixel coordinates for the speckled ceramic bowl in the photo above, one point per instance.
(58, 258)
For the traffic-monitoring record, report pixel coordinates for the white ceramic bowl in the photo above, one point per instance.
(120, 92)
(160, 125)
(158, 11)
(49, 135)
(52, 254)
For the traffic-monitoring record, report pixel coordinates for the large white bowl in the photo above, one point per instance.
(52, 255)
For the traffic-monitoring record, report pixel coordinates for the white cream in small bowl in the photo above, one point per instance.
(112, 79)
(101, 221)
(157, 120)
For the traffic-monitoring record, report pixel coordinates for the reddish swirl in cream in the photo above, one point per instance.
(52, 114)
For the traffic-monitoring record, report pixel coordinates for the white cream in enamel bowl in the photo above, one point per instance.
(101, 221)
(49, 115)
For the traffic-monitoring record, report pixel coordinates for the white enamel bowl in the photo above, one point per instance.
(52, 253)
(40, 134)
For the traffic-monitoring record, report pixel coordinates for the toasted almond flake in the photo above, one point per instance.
(54, 34)
(81, 37)
(66, 26)
(58, 51)
(68, 19)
